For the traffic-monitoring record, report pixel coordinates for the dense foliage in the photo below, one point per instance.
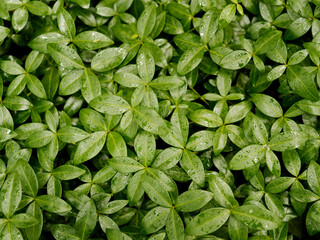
(141, 119)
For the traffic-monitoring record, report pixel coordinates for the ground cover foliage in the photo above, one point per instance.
(140, 119)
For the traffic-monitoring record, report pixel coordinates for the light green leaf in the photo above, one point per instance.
(125, 164)
(206, 118)
(52, 204)
(174, 226)
(155, 219)
(70, 134)
(108, 59)
(149, 120)
(65, 56)
(91, 40)
(207, 221)
(11, 193)
(110, 104)
(267, 105)
(302, 82)
(190, 59)
(156, 192)
(116, 145)
(223, 194)
(193, 167)
(193, 200)
(146, 21)
(247, 157)
(86, 220)
(90, 85)
(235, 60)
(64, 232)
(40, 42)
(89, 147)
(256, 217)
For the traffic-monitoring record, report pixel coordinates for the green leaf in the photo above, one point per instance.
(193, 167)
(113, 207)
(167, 158)
(287, 141)
(52, 204)
(128, 79)
(23, 220)
(186, 41)
(312, 219)
(110, 104)
(237, 112)
(156, 191)
(86, 220)
(6, 134)
(65, 56)
(89, 147)
(173, 26)
(4, 10)
(35, 86)
(302, 82)
(135, 189)
(313, 177)
(91, 87)
(237, 230)
(70, 134)
(309, 106)
(235, 60)
(155, 219)
(166, 83)
(145, 147)
(207, 221)
(223, 194)
(64, 232)
(145, 64)
(28, 178)
(20, 18)
(108, 59)
(39, 8)
(114, 234)
(11, 68)
(149, 120)
(227, 15)
(34, 232)
(301, 7)
(292, 161)
(11, 193)
(91, 40)
(208, 26)
(125, 164)
(206, 118)
(39, 139)
(280, 184)
(200, 141)
(267, 41)
(116, 145)
(174, 226)
(92, 120)
(104, 174)
(193, 200)
(256, 217)
(71, 82)
(146, 21)
(51, 81)
(10, 232)
(303, 195)
(273, 163)
(66, 23)
(190, 59)
(247, 157)
(297, 28)
(274, 205)
(67, 172)
(40, 43)
(267, 105)
(33, 61)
